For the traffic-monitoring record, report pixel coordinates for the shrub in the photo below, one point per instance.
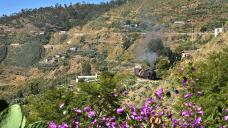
(86, 68)
(58, 103)
(209, 79)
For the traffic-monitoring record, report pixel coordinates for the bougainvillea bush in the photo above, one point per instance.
(207, 80)
(153, 114)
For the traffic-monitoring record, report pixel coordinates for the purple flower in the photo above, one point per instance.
(142, 126)
(184, 82)
(52, 124)
(113, 124)
(76, 124)
(94, 122)
(119, 110)
(174, 123)
(200, 112)
(91, 114)
(87, 109)
(113, 119)
(169, 116)
(78, 111)
(188, 104)
(61, 105)
(149, 102)
(159, 93)
(63, 125)
(198, 120)
(104, 119)
(226, 118)
(160, 114)
(188, 95)
(186, 113)
(124, 125)
(138, 118)
(176, 91)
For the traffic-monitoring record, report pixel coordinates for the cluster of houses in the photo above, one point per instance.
(59, 56)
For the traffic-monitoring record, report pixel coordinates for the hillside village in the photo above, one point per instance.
(123, 52)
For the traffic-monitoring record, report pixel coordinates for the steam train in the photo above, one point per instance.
(145, 73)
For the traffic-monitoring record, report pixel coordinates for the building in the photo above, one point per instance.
(86, 78)
(179, 22)
(48, 46)
(15, 44)
(42, 33)
(73, 49)
(62, 32)
(217, 31)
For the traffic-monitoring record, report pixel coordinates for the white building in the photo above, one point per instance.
(87, 78)
(62, 32)
(179, 22)
(217, 31)
(73, 49)
(41, 33)
(15, 44)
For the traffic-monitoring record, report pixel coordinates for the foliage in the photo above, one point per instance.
(86, 68)
(25, 56)
(39, 124)
(63, 37)
(46, 105)
(3, 53)
(162, 65)
(156, 45)
(128, 40)
(58, 17)
(209, 79)
(12, 117)
(101, 63)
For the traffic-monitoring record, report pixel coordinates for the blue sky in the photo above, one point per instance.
(10, 6)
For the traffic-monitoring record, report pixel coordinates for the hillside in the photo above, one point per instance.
(42, 51)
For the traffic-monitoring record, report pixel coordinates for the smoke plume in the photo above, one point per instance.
(152, 30)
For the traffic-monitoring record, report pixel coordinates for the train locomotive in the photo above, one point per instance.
(145, 73)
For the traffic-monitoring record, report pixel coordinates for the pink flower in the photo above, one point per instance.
(119, 110)
(78, 111)
(226, 118)
(52, 124)
(87, 109)
(188, 104)
(124, 125)
(186, 113)
(198, 120)
(63, 125)
(91, 114)
(188, 95)
(159, 93)
(94, 121)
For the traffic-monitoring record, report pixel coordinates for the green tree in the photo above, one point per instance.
(86, 68)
